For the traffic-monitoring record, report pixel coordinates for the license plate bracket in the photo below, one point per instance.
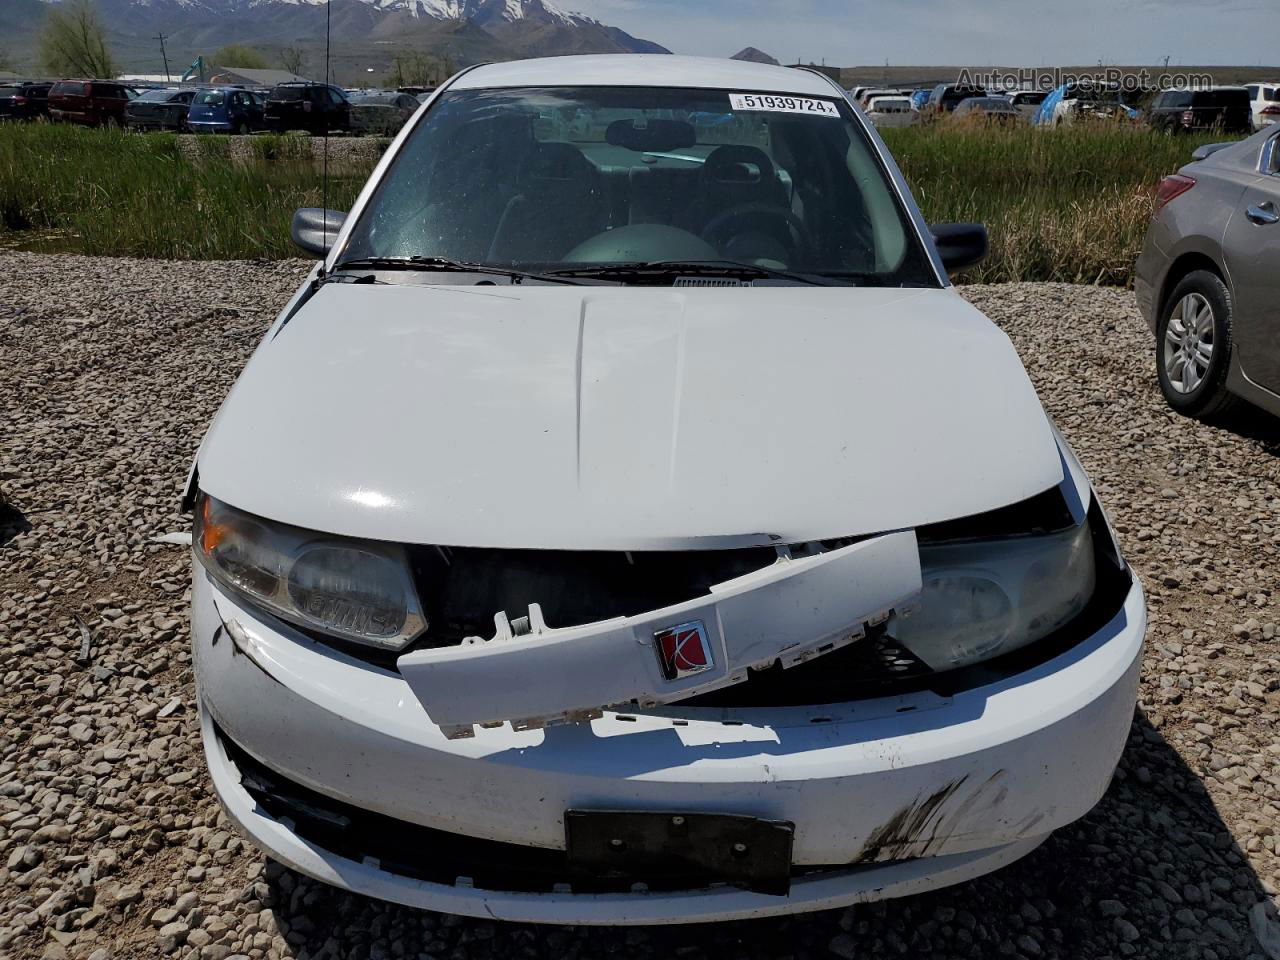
(676, 849)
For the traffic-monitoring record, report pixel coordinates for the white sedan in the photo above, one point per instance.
(628, 522)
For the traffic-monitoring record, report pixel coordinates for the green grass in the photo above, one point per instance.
(1070, 204)
(108, 192)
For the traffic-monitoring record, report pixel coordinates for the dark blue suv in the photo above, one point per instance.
(226, 110)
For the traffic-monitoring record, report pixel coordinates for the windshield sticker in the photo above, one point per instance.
(782, 104)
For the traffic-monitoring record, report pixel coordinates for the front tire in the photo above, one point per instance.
(1193, 346)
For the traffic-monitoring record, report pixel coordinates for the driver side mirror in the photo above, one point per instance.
(314, 230)
(959, 245)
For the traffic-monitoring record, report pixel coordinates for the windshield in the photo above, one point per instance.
(545, 179)
(210, 98)
(157, 96)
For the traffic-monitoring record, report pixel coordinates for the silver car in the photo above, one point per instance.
(1206, 279)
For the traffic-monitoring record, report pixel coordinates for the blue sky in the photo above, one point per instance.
(1018, 32)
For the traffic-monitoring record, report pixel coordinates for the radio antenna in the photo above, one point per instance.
(324, 190)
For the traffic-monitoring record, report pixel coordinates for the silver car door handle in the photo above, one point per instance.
(1262, 213)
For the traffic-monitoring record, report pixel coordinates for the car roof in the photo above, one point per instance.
(640, 70)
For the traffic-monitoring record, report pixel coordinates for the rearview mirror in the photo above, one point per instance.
(654, 135)
(959, 245)
(314, 229)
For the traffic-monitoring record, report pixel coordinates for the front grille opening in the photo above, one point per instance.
(874, 666)
(436, 856)
(461, 588)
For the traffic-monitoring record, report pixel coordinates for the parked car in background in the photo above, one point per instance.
(994, 110)
(24, 100)
(947, 96)
(1026, 102)
(381, 113)
(1218, 108)
(314, 107)
(1085, 101)
(1206, 278)
(159, 110)
(227, 110)
(1264, 99)
(669, 675)
(418, 92)
(90, 103)
(892, 111)
(863, 100)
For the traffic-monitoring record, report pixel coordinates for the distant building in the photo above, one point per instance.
(157, 78)
(201, 72)
(244, 76)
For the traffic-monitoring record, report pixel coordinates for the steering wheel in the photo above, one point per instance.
(716, 230)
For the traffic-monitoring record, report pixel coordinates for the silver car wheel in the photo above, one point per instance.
(1188, 343)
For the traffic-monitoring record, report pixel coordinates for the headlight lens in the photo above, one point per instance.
(985, 598)
(353, 589)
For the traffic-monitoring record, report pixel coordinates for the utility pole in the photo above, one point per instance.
(160, 37)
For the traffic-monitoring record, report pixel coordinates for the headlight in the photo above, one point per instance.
(355, 589)
(985, 598)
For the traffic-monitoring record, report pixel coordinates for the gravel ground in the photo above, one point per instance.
(111, 844)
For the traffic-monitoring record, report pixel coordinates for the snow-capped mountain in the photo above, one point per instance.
(478, 11)
(363, 31)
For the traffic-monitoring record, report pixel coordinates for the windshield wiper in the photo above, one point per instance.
(446, 265)
(667, 269)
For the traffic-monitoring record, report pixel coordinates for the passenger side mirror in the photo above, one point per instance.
(315, 230)
(959, 245)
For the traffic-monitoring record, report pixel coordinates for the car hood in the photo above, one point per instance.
(605, 417)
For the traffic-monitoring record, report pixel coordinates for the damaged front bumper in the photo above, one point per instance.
(797, 608)
(326, 762)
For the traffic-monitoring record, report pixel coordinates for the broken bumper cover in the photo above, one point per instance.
(789, 612)
(903, 793)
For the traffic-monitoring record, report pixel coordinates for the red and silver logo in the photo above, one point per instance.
(683, 650)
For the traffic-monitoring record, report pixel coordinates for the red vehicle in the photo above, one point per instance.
(92, 103)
